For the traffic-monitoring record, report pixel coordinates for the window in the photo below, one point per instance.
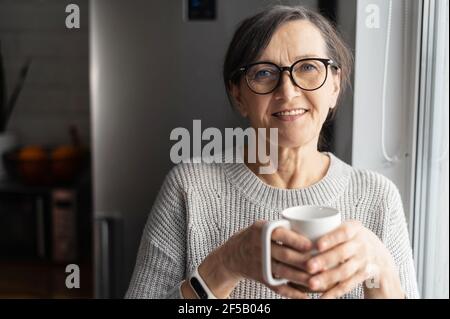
(431, 191)
(400, 120)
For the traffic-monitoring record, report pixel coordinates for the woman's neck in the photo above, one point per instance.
(297, 167)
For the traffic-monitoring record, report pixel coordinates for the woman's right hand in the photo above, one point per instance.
(242, 257)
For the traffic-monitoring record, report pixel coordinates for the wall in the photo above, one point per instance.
(343, 133)
(56, 92)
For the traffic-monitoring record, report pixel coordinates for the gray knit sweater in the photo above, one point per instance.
(200, 206)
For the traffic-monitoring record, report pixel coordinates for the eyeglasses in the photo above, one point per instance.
(308, 74)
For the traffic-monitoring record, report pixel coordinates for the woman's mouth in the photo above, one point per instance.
(290, 115)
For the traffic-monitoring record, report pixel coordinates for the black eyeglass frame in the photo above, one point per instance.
(326, 62)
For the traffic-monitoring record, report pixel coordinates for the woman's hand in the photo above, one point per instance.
(241, 257)
(348, 256)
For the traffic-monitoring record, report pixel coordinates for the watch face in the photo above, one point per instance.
(197, 286)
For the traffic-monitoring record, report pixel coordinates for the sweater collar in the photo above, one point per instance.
(324, 192)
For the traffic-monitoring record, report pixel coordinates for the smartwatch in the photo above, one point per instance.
(199, 286)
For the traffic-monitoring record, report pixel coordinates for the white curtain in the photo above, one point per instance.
(431, 225)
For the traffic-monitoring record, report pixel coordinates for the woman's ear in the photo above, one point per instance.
(235, 92)
(336, 87)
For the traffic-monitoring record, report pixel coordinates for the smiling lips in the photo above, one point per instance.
(290, 115)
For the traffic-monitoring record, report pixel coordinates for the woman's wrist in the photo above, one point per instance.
(186, 291)
(216, 273)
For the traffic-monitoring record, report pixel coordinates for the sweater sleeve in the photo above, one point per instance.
(398, 243)
(160, 263)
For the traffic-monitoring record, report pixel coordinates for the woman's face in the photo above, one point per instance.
(291, 42)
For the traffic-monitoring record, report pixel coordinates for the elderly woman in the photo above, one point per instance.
(285, 68)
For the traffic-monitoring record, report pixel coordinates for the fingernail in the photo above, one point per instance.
(324, 245)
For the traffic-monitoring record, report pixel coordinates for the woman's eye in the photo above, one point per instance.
(263, 74)
(307, 67)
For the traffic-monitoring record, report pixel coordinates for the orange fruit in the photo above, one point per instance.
(32, 153)
(65, 152)
(65, 162)
(32, 164)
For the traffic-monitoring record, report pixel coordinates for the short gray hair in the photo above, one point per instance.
(254, 34)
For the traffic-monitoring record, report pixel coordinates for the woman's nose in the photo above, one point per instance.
(287, 88)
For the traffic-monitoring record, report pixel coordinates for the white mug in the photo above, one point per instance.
(310, 221)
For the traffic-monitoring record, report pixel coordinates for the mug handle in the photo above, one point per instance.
(266, 251)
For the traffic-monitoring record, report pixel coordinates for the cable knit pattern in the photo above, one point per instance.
(200, 206)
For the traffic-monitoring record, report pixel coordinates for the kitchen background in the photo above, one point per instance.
(45, 200)
(87, 145)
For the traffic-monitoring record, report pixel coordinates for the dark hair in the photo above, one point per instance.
(254, 34)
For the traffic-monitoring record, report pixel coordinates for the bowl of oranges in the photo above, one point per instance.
(39, 165)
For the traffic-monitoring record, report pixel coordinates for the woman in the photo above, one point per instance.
(207, 219)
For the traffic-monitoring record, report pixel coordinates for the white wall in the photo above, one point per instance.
(56, 92)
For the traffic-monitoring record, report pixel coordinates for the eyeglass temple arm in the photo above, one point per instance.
(333, 64)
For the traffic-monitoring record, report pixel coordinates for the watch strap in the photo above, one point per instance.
(199, 286)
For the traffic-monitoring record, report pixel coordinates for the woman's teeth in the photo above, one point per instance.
(293, 112)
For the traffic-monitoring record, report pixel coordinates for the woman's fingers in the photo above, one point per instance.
(343, 233)
(292, 239)
(345, 286)
(300, 287)
(331, 258)
(289, 292)
(295, 275)
(328, 279)
(289, 256)
(335, 270)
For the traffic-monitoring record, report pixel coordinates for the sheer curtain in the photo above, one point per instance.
(431, 211)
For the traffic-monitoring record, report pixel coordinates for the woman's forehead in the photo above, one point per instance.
(293, 41)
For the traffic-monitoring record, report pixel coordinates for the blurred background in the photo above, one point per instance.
(86, 114)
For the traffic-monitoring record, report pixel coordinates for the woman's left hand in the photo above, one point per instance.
(348, 256)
